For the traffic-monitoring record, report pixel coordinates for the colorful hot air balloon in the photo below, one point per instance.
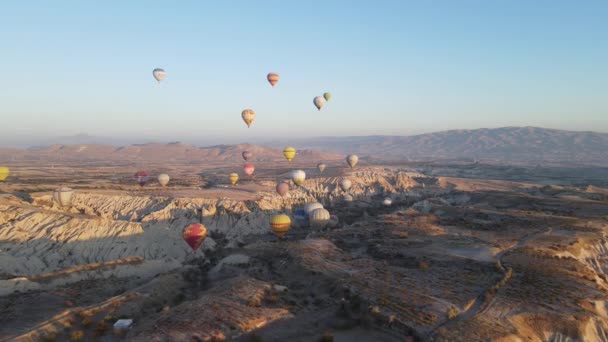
(280, 224)
(345, 184)
(63, 196)
(233, 177)
(289, 153)
(319, 101)
(141, 177)
(387, 202)
(247, 155)
(319, 218)
(248, 169)
(282, 189)
(327, 96)
(248, 115)
(194, 234)
(298, 177)
(163, 179)
(310, 207)
(272, 78)
(321, 167)
(352, 160)
(4, 172)
(159, 74)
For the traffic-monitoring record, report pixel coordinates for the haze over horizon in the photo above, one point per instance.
(393, 68)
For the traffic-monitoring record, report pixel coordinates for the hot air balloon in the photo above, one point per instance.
(247, 155)
(141, 177)
(194, 234)
(345, 184)
(272, 78)
(319, 101)
(163, 179)
(4, 172)
(327, 96)
(347, 198)
(248, 169)
(282, 189)
(248, 115)
(63, 196)
(309, 207)
(289, 153)
(321, 167)
(352, 160)
(233, 177)
(387, 202)
(319, 218)
(298, 177)
(280, 224)
(159, 74)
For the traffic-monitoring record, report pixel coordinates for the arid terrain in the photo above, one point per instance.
(465, 252)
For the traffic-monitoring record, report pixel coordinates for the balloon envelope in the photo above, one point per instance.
(159, 74)
(194, 234)
(272, 78)
(141, 177)
(347, 198)
(319, 218)
(63, 196)
(298, 176)
(248, 169)
(248, 115)
(345, 184)
(282, 189)
(233, 177)
(289, 153)
(352, 160)
(319, 101)
(309, 207)
(280, 224)
(4, 172)
(247, 155)
(387, 202)
(327, 96)
(321, 167)
(163, 179)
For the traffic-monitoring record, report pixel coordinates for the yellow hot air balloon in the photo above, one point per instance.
(280, 224)
(289, 153)
(4, 172)
(248, 115)
(234, 177)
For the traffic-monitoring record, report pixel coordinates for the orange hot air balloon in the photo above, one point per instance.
(272, 78)
(248, 115)
(280, 224)
(282, 189)
(248, 169)
(194, 234)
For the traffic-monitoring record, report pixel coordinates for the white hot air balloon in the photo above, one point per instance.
(163, 179)
(310, 207)
(319, 218)
(319, 101)
(321, 167)
(345, 184)
(387, 202)
(159, 74)
(352, 160)
(298, 176)
(63, 196)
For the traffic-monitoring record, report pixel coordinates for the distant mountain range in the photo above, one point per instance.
(528, 145)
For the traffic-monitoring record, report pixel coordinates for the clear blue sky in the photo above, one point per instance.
(393, 67)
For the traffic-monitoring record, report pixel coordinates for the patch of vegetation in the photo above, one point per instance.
(76, 335)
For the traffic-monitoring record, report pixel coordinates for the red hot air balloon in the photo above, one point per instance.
(248, 169)
(194, 234)
(141, 177)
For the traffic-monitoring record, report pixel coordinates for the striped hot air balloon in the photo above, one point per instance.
(63, 196)
(194, 234)
(4, 172)
(272, 78)
(248, 169)
(248, 115)
(163, 179)
(280, 224)
(319, 218)
(233, 177)
(289, 153)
